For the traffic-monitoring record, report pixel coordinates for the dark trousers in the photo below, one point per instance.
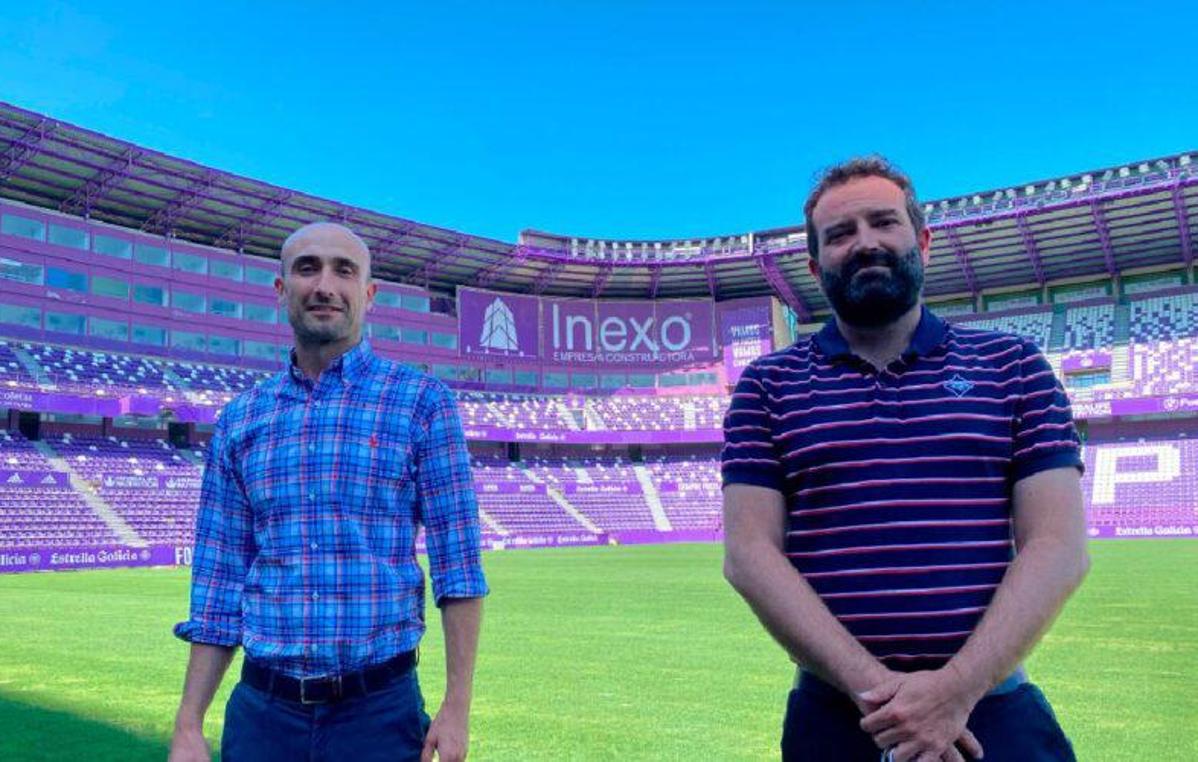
(387, 725)
(822, 726)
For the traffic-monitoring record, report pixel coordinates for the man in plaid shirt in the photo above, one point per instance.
(316, 483)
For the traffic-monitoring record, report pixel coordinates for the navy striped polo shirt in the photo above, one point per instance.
(898, 482)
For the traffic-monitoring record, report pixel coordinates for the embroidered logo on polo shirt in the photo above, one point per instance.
(958, 386)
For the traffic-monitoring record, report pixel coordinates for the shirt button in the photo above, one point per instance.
(312, 649)
(312, 448)
(315, 546)
(311, 494)
(315, 596)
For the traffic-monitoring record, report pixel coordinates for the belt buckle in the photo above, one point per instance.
(332, 680)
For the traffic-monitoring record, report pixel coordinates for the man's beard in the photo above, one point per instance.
(310, 331)
(874, 300)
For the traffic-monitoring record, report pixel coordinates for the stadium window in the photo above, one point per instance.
(555, 380)
(190, 263)
(64, 322)
(467, 373)
(223, 345)
(189, 340)
(151, 255)
(446, 372)
(583, 380)
(258, 277)
(413, 336)
(68, 237)
(413, 303)
(21, 272)
(149, 334)
(71, 281)
(701, 379)
(672, 379)
(113, 288)
(613, 381)
(108, 329)
(526, 378)
(227, 270)
(495, 376)
(224, 308)
(640, 380)
(387, 299)
(181, 300)
(383, 331)
(22, 227)
(149, 295)
(261, 313)
(259, 350)
(112, 247)
(18, 314)
(444, 340)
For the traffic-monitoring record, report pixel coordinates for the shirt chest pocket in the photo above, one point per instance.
(376, 472)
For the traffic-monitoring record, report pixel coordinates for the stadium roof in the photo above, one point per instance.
(1098, 223)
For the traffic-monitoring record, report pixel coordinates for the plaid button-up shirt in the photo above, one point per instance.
(312, 496)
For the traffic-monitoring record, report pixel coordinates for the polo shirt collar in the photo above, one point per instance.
(929, 334)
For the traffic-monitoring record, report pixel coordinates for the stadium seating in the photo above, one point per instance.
(1090, 327)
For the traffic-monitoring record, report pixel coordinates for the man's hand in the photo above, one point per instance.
(448, 736)
(919, 715)
(189, 745)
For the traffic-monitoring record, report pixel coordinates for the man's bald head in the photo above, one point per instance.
(325, 234)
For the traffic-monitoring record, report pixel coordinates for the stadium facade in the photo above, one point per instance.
(136, 298)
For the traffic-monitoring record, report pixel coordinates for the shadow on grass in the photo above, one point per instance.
(37, 734)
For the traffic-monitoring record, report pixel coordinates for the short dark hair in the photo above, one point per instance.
(853, 169)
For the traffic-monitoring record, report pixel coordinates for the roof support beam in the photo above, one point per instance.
(1029, 245)
(1183, 224)
(962, 260)
(768, 265)
(1104, 236)
(654, 280)
(163, 221)
(82, 200)
(709, 271)
(24, 148)
(545, 279)
(601, 280)
(501, 267)
(236, 234)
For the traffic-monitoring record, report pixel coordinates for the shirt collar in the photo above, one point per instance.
(928, 335)
(347, 367)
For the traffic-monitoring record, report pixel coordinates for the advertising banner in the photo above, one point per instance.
(1096, 360)
(34, 479)
(746, 333)
(494, 326)
(623, 333)
(99, 557)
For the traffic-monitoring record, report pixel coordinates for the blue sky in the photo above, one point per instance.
(612, 119)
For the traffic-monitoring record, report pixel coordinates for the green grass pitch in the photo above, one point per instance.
(595, 653)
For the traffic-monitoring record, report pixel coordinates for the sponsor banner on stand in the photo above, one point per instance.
(607, 488)
(48, 558)
(510, 488)
(34, 479)
(1139, 531)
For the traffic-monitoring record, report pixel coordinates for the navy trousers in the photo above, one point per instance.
(388, 725)
(822, 726)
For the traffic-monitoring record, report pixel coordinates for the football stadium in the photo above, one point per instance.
(592, 378)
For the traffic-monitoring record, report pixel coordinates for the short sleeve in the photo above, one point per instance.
(749, 456)
(1044, 435)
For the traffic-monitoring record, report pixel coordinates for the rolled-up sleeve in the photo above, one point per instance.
(224, 550)
(448, 506)
(749, 456)
(1044, 435)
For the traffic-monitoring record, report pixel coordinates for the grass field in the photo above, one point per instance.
(595, 653)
